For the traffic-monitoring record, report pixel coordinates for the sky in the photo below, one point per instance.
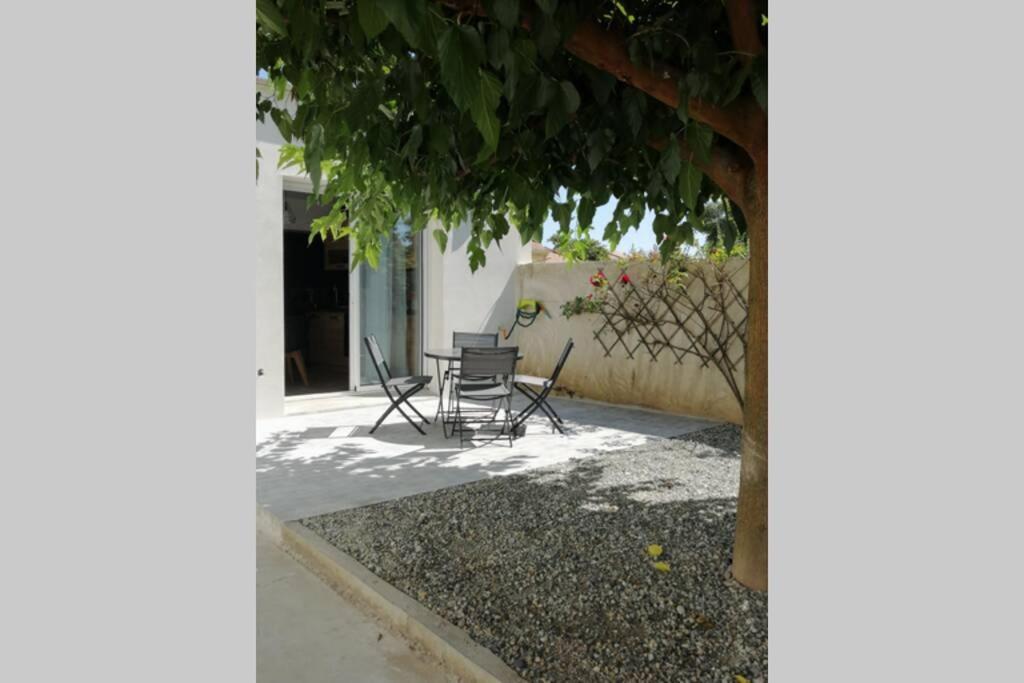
(641, 239)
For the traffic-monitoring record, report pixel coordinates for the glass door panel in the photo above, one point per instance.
(390, 306)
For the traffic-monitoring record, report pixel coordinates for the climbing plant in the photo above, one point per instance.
(671, 309)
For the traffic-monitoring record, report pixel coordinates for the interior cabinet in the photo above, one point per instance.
(328, 338)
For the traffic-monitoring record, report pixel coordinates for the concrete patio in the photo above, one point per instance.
(321, 458)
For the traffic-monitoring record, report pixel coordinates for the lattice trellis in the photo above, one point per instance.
(700, 311)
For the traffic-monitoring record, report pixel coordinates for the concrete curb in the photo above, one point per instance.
(443, 641)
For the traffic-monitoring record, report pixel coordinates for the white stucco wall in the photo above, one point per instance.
(686, 388)
(269, 286)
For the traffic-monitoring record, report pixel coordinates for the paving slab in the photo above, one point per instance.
(307, 633)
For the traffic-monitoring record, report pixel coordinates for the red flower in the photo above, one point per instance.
(624, 279)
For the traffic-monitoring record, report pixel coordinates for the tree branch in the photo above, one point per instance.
(743, 20)
(606, 50)
(726, 168)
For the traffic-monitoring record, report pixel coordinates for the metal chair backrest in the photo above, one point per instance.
(474, 339)
(561, 360)
(498, 362)
(379, 364)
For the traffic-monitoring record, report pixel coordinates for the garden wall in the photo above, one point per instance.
(686, 388)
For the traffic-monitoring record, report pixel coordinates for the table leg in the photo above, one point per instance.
(440, 393)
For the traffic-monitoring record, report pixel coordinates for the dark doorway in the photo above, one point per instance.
(316, 316)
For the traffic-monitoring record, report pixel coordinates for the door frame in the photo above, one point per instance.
(304, 185)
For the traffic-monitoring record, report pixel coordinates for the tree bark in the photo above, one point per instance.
(750, 550)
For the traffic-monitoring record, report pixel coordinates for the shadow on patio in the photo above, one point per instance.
(324, 461)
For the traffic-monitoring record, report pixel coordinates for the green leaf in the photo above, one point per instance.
(699, 138)
(547, 6)
(269, 17)
(499, 226)
(483, 109)
(506, 12)
(664, 226)
(440, 139)
(555, 120)
(499, 52)
(280, 87)
(670, 162)
(545, 93)
(683, 110)
(441, 237)
(371, 18)
(562, 213)
(283, 120)
(601, 82)
(546, 35)
(564, 105)
(408, 16)
(412, 145)
(634, 114)
(571, 97)
(689, 184)
(586, 212)
(313, 154)
(373, 255)
(728, 236)
(461, 51)
(598, 144)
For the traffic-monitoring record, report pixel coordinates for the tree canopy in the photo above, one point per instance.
(463, 110)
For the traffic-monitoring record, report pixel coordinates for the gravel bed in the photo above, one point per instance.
(550, 569)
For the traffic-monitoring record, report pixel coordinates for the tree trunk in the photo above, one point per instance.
(750, 551)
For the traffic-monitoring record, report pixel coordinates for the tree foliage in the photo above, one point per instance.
(584, 248)
(473, 111)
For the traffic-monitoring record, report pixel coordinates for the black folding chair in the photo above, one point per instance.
(463, 340)
(403, 387)
(486, 374)
(539, 399)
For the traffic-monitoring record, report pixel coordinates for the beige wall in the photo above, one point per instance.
(685, 388)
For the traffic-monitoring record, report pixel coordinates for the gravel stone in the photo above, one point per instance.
(549, 569)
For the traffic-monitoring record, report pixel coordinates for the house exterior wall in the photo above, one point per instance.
(269, 275)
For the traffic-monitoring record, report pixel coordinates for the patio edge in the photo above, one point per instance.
(438, 638)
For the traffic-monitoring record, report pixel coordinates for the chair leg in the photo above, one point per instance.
(441, 381)
(458, 420)
(425, 420)
(508, 419)
(537, 400)
(531, 407)
(396, 403)
(383, 417)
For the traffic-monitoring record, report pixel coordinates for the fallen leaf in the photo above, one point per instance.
(661, 566)
(742, 679)
(654, 550)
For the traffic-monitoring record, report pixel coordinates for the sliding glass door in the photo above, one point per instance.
(391, 306)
